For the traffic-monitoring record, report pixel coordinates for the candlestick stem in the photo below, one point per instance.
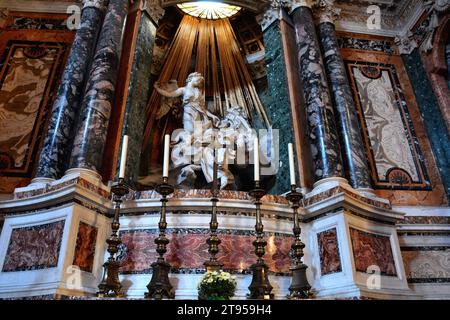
(160, 286)
(110, 285)
(300, 288)
(260, 287)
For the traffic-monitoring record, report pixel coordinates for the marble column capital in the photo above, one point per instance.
(406, 43)
(273, 13)
(154, 9)
(99, 4)
(326, 11)
(295, 4)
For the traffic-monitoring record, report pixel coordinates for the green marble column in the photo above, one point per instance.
(139, 92)
(431, 114)
(276, 101)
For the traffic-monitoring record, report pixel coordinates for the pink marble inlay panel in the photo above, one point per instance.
(188, 250)
(35, 247)
(85, 248)
(330, 261)
(371, 249)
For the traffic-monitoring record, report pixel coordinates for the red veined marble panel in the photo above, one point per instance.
(370, 249)
(330, 261)
(32, 248)
(85, 247)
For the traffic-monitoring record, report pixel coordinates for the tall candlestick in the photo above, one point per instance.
(166, 156)
(291, 163)
(256, 157)
(123, 158)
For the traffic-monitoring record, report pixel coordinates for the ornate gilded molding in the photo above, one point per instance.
(326, 11)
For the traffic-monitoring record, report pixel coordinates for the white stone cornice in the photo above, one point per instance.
(326, 11)
(38, 6)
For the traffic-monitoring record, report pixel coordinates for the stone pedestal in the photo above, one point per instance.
(55, 252)
(348, 236)
(354, 247)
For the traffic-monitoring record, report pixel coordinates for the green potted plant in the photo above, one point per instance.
(217, 285)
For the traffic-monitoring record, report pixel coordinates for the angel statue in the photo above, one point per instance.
(193, 101)
(204, 137)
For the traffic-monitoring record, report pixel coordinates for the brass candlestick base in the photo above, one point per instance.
(159, 286)
(110, 285)
(260, 288)
(300, 287)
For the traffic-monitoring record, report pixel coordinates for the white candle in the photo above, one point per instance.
(123, 157)
(291, 163)
(166, 156)
(256, 157)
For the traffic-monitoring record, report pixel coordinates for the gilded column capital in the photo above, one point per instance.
(326, 11)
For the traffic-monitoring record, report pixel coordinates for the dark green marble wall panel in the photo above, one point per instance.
(139, 93)
(275, 99)
(431, 115)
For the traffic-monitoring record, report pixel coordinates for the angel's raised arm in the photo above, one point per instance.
(178, 92)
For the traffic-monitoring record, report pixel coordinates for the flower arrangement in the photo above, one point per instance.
(217, 286)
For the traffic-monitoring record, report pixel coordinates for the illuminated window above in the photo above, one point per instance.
(209, 9)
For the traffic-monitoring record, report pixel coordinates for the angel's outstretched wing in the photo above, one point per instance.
(167, 103)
